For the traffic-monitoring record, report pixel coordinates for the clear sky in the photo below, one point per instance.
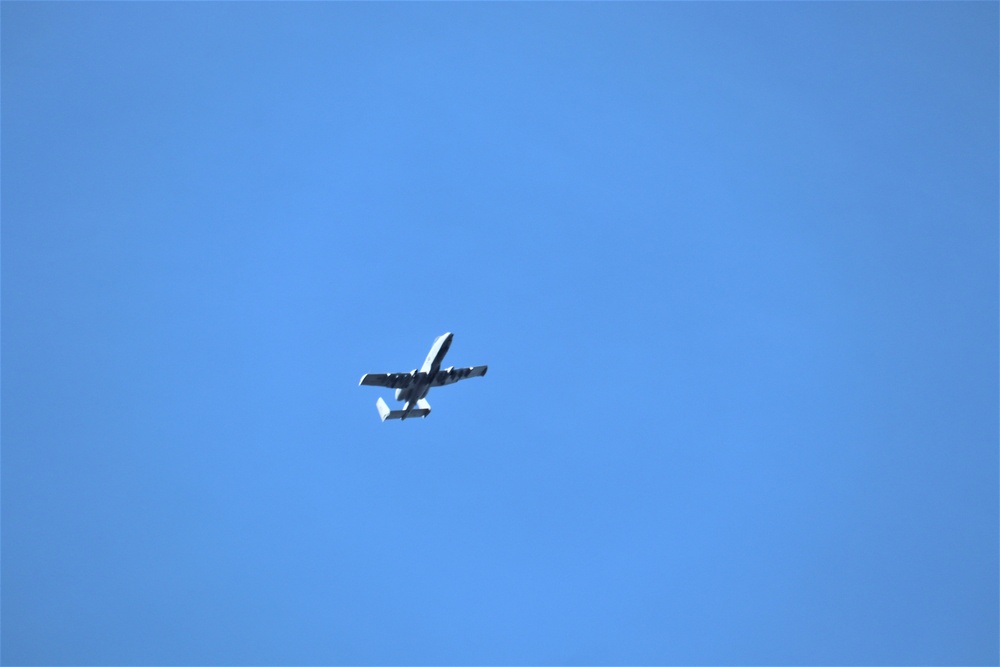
(733, 267)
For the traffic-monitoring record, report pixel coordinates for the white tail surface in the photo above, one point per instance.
(422, 410)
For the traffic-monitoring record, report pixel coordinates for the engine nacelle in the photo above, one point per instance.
(399, 394)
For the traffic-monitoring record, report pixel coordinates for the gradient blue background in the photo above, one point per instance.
(733, 268)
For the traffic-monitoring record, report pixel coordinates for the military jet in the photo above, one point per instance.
(412, 387)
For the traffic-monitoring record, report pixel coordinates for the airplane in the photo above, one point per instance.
(412, 387)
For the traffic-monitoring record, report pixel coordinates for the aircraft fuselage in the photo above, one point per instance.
(425, 376)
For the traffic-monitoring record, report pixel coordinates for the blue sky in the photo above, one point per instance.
(734, 269)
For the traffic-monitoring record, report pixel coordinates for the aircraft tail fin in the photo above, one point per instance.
(422, 410)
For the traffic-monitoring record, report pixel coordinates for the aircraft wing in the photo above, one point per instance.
(391, 380)
(449, 375)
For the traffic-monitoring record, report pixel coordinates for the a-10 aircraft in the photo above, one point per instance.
(412, 387)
